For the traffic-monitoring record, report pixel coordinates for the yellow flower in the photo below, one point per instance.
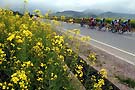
(19, 41)
(85, 38)
(99, 84)
(40, 79)
(3, 87)
(0, 84)
(69, 52)
(2, 56)
(65, 67)
(103, 72)
(9, 84)
(79, 67)
(12, 89)
(63, 18)
(56, 23)
(81, 61)
(40, 72)
(61, 57)
(56, 49)
(42, 65)
(11, 37)
(46, 15)
(19, 75)
(81, 74)
(22, 84)
(47, 49)
(22, 76)
(15, 79)
(17, 37)
(39, 44)
(27, 33)
(53, 77)
(23, 27)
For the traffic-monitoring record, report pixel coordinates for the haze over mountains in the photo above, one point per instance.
(94, 13)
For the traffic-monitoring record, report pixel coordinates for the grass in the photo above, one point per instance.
(128, 81)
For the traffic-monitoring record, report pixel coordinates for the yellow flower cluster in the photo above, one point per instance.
(55, 23)
(61, 57)
(2, 56)
(38, 49)
(45, 51)
(27, 33)
(2, 27)
(31, 49)
(79, 71)
(24, 30)
(63, 18)
(53, 76)
(6, 86)
(47, 15)
(19, 39)
(43, 65)
(69, 52)
(99, 84)
(85, 38)
(20, 78)
(58, 40)
(27, 64)
(39, 76)
(92, 58)
(11, 37)
(103, 72)
(65, 67)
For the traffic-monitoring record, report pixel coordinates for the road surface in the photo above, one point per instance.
(121, 46)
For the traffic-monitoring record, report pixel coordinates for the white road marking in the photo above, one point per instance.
(114, 55)
(129, 53)
(114, 47)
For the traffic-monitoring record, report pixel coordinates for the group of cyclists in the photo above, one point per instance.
(116, 25)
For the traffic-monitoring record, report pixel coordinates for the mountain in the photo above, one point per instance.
(71, 13)
(117, 15)
(94, 13)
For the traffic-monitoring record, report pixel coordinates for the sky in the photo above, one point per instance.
(122, 6)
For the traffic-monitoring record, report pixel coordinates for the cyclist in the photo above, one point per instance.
(102, 24)
(119, 21)
(82, 22)
(112, 24)
(94, 23)
(90, 22)
(126, 26)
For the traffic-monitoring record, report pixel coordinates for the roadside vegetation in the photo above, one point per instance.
(34, 56)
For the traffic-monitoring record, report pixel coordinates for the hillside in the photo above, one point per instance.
(74, 14)
(94, 13)
(117, 15)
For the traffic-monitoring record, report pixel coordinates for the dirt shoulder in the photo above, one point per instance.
(113, 65)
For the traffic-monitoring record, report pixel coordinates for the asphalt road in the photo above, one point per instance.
(121, 46)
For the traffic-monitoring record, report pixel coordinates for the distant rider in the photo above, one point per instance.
(126, 25)
(82, 22)
(102, 23)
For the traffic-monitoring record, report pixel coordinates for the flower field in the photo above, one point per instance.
(34, 57)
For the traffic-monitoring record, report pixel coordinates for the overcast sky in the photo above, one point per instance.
(125, 6)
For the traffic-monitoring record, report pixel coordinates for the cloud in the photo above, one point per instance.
(106, 5)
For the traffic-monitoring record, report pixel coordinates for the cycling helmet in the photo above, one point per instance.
(128, 20)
